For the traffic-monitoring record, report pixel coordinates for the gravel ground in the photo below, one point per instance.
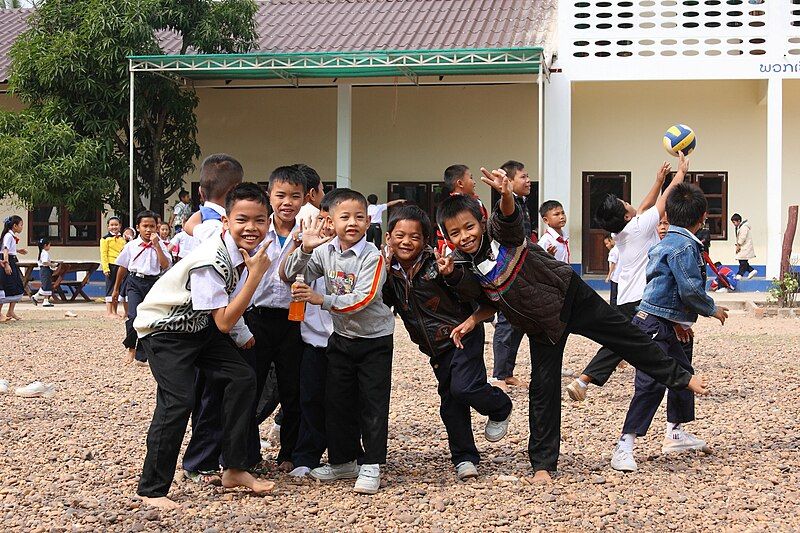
(71, 462)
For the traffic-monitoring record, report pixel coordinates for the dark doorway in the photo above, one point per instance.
(425, 194)
(596, 186)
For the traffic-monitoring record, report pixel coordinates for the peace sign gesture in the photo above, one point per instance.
(497, 180)
(444, 263)
(259, 263)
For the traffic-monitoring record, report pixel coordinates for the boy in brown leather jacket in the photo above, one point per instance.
(544, 298)
(447, 330)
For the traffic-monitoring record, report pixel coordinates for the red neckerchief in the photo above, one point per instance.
(565, 242)
(144, 246)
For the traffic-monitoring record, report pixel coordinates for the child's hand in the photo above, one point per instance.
(249, 344)
(497, 180)
(313, 237)
(22, 251)
(663, 171)
(683, 164)
(445, 264)
(698, 385)
(257, 265)
(388, 254)
(129, 356)
(115, 296)
(721, 314)
(302, 292)
(7, 269)
(683, 334)
(461, 330)
(608, 278)
(154, 238)
(551, 249)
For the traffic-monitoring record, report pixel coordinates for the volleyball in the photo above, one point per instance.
(680, 138)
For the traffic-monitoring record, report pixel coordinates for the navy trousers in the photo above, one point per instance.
(648, 392)
(311, 439)
(137, 289)
(505, 346)
(462, 384)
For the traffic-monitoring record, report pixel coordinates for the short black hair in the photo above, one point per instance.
(411, 212)
(344, 195)
(608, 237)
(219, 173)
(146, 214)
(686, 205)
(451, 206)
(182, 193)
(549, 205)
(327, 201)
(718, 265)
(511, 168)
(372, 199)
(452, 174)
(113, 218)
(246, 191)
(310, 175)
(610, 214)
(288, 174)
(736, 217)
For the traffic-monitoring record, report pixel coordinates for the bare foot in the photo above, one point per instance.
(286, 466)
(515, 382)
(161, 503)
(4, 318)
(500, 384)
(111, 315)
(241, 478)
(15, 316)
(129, 356)
(698, 385)
(542, 476)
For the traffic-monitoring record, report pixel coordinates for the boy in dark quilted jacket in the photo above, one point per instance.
(545, 299)
(433, 299)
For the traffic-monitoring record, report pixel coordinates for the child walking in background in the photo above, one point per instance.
(744, 247)
(613, 259)
(10, 276)
(46, 267)
(673, 298)
(110, 247)
(375, 212)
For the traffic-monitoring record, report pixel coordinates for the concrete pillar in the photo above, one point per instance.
(555, 183)
(344, 108)
(774, 175)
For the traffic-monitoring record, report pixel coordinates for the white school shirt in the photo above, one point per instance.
(308, 213)
(186, 243)
(209, 228)
(10, 243)
(375, 213)
(272, 291)
(317, 326)
(634, 241)
(44, 259)
(613, 257)
(550, 238)
(209, 293)
(138, 258)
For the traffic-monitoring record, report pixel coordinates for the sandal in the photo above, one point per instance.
(204, 477)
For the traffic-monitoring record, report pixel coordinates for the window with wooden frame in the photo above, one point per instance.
(64, 227)
(714, 185)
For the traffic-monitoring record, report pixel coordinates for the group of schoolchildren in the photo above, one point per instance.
(212, 324)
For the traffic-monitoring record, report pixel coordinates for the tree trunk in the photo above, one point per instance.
(157, 195)
(788, 240)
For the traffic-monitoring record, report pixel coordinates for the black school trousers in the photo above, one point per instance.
(590, 316)
(462, 384)
(137, 289)
(312, 439)
(605, 362)
(357, 389)
(648, 393)
(278, 342)
(173, 359)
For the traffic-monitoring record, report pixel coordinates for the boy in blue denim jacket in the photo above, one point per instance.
(674, 296)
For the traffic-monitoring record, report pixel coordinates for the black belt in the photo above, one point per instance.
(376, 224)
(272, 312)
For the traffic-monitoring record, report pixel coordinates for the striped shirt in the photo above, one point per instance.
(353, 278)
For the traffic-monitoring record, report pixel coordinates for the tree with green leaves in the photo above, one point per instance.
(70, 146)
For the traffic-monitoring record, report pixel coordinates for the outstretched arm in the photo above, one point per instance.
(650, 200)
(683, 167)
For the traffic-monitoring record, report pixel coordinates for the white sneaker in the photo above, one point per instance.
(738, 276)
(623, 460)
(685, 441)
(495, 431)
(35, 390)
(3, 386)
(369, 479)
(47, 303)
(567, 372)
(331, 472)
(466, 470)
(300, 471)
(752, 274)
(722, 290)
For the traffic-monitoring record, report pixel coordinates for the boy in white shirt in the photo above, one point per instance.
(141, 261)
(635, 233)
(555, 239)
(375, 213)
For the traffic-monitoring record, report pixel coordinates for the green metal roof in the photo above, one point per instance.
(296, 65)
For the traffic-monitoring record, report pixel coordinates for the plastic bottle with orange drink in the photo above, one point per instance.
(297, 310)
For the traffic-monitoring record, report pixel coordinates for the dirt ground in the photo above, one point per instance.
(71, 462)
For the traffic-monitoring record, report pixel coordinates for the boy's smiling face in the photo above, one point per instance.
(248, 223)
(406, 241)
(464, 231)
(350, 222)
(286, 199)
